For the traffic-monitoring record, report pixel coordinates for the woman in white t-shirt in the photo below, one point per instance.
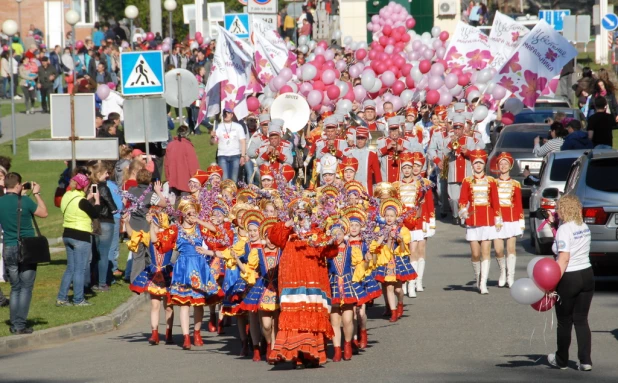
(576, 288)
(232, 151)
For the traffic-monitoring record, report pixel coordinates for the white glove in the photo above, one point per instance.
(463, 213)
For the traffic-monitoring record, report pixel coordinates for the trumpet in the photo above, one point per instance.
(272, 158)
(332, 149)
(455, 144)
(444, 170)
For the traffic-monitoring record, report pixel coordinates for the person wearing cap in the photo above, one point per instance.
(231, 149)
(276, 151)
(45, 82)
(459, 166)
(328, 170)
(415, 192)
(138, 154)
(267, 177)
(513, 223)
(369, 108)
(479, 207)
(390, 148)
(180, 161)
(368, 172)
(331, 143)
(257, 140)
(348, 168)
(438, 153)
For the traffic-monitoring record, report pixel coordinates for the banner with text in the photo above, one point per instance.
(505, 36)
(468, 49)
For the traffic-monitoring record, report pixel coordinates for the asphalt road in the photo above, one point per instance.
(449, 333)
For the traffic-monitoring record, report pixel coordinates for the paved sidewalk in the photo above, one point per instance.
(24, 124)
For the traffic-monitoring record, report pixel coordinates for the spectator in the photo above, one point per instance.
(103, 241)
(78, 214)
(97, 35)
(5, 76)
(145, 159)
(4, 168)
(119, 34)
(557, 133)
(56, 62)
(113, 103)
(305, 30)
(231, 151)
(35, 31)
(102, 76)
(150, 197)
(103, 131)
(93, 64)
(114, 250)
(109, 33)
(18, 49)
(576, 138)
(21, 275)
(69, 67)
(605, 89)
(28, 83)
(576, 286)
(45, 82)
(32, 51)
(600, 125)
(181, 161)
(124, 155)
(114, 130)
(474, 14)
(288, 26)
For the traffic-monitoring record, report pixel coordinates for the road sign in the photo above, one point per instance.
(142, 73)
(570, 31)
(263, 6)
(554, 17)
(238, 25)
(145, 120)
(583, 29)
(609, 22)
(84, 115)
(85, 150)
(270, 20)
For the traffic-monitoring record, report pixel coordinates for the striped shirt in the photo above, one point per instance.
(550, 146)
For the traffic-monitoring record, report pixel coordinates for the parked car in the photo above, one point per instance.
(551, 181)
(594, 179)
(540, 115)
(546, 102)
(518, 139)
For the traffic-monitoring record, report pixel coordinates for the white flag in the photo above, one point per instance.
(505, 36)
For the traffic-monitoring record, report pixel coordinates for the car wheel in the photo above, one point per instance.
(542, 249)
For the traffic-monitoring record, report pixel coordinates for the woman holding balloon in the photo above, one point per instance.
(576, 286)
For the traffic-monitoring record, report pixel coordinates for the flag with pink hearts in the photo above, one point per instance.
(534, 65)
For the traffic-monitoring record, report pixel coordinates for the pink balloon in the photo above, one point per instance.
(383, 41)
(103, 91)
(470, 89)
(253, 103)
(328, 77)
(286, 89)
(397, 103)
(323, 44)
(318, 85)
(445, 98)
(372, 54)
(359, 93)
(314, 98)
(410, 23)
(361, 54)
(432, 97)
(305, 88)
(278, 82)
(444, 35)
(409, 82)
(79, 44)
(546, 303)
(424, 66)
(333, 92)
(150, 36)
(435, 82)
(499, 92)
(198, 34)
(350, 95)
(462, 80)
(398, 87)
(451, 80)
(387, 30)
(546, 274)
(200, 40)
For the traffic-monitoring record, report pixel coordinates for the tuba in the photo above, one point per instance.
(357, 121)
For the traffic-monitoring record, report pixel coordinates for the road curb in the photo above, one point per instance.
(16, 343)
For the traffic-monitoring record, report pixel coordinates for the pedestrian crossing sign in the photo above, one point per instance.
(238, 25)
(142, 73)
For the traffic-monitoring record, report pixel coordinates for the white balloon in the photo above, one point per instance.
(435, 31)
(471, 96)
(456, 90)
(267, 103)
(368, 80)
(303, 48)
(312, 45)
(336, 35)
(302, 40)
(513, 105)
(416, 74)
(531, 265)
(525, 292)
(490, 87)
(348, 40)
(293, 85)
(480, 113)
(310, 57)
(406, 96)
(376, 86)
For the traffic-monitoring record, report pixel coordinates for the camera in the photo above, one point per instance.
(27, 186)
(540, 213)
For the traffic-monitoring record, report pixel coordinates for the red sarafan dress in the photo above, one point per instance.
(304, 290)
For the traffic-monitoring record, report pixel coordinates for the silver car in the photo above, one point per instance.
(594, 179)
(552, 177)
(518, 139)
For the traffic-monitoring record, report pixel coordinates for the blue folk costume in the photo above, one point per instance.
(345, 271)
(262, 274)
(157, 276)
(192, 282)
(368, 282)
(394, 263)
(234, 287)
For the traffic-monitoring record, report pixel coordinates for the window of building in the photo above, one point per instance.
(86, 10)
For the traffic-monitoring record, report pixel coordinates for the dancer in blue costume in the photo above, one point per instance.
(157, 276)
(192, 282)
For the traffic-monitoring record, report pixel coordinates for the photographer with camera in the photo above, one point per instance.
(21, 275)
(554, 142)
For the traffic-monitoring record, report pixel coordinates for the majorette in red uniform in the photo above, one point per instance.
(369, 108)
(416, 195)
(368, 172)
(479, 206)
(276, 151)
(513, 223)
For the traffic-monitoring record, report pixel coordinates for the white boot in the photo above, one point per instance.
(484, 275)
(420, 271)
(411, 288)
(502, 265)
(476, 266)
(404, 286)
(510, 267)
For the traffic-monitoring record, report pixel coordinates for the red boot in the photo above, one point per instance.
(394, 316)
(387, 312)
(154, 338)
(399, 310)
(363, 339)
(197, 339)
(244, 351)
(169, 339)
(355, 347)
(267, 352)
(212, 323)
(337, 356)
(187, 343)
(220, 328)
(347, 350)
(256, 354)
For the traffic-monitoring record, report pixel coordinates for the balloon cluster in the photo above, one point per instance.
(537, 290)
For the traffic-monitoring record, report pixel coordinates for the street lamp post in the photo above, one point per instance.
(72, 18)
(131, 13)
(9, 27)
(19, 15)
(170, 6)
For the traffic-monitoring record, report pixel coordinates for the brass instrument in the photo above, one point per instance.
(332, 149)
(272, 157)
(444, 170)
(357, 121)
(455, 144)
